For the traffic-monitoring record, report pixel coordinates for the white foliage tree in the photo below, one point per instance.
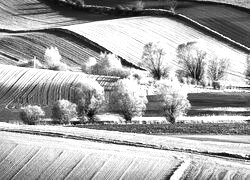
(128, 99)
(53, 58)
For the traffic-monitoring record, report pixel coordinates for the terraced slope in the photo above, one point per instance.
(229, 21)
(39, 14)
(37, 86)
(126, 38)
(24, 46)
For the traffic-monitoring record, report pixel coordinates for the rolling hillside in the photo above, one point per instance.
(41, 14)
(229, 21)
(15, 47)
(43, 87)
(126, 38)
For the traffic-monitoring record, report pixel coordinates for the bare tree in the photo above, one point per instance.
(192, 60)
(153, 59)
(217, 68)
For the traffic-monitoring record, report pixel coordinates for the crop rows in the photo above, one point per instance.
(126, 38)
(20, 86)
(28, 160)
(240, 3)
(35, 14)
(25, 46)
(229, 21)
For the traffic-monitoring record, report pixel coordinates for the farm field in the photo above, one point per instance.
(240, 3)
(137, 31)
(37, 86)
(15, 47)
(84, 159)
(229, 21)
(21, 157)
(159, 141)
(41, 14)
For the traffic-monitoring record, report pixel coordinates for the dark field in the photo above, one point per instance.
(210, 128)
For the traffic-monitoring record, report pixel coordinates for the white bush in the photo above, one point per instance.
(31, 114)
(53, 58)
(63, 111)
(128, 100)
(89, 98)
(174, 97)
(109, 65)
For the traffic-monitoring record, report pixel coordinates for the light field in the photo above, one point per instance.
(126, 38)
(40, 157)
(20, 86)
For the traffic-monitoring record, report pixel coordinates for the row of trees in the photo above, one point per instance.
(194, 63)
(125, 99)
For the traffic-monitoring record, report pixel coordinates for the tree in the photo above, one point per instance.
(108, 65)
(63, 111)
(31, 114)
(126, 99)
(192, 60)
(216, 68)
(174, 100)
(89, 98)
(154, 60)
(53, 58)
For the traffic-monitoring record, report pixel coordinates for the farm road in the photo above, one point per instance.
(28, 156)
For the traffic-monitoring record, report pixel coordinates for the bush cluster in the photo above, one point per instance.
(31, 114)
(108, 65)
(63, 111)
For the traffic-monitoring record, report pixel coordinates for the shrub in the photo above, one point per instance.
(216, 68)
(154, 60)
(127, 100)
(31, 114)
(175, 102)
(109, 65)
(63, 111)
(192, 60)
(139, 5)
(89, 98)
(52, 59)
